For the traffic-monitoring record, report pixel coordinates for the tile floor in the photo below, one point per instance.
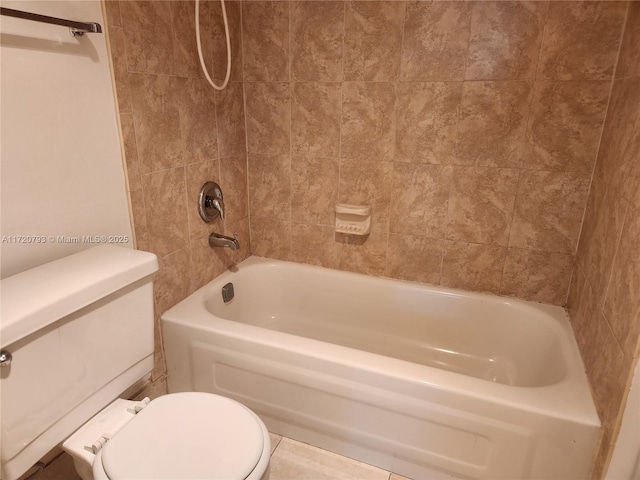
(290, 460)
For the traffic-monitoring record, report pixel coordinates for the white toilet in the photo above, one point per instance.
(80, 333)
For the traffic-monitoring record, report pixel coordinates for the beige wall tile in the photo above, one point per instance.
(549, 210)
(419, 199)
(269, 187)
(157, 121)
(314, 244)
(166, 210)
(139, 217)
(363, 254)
(581, 40)
(230, 120)
(185, 52)
(271, 238)
(317, 36)
(197, 107)
(565, 125)
(366, 183)
(119, 62)
(172, 282)
(368, 121)
(493, 120)
(268, 117)
(427, 119)
(314, 189)
(436, 37)
(219, 43)
(148, 40)
(539, 276)
(629, 60)
(130, 151)
(505, 40)
(373, 40)
(265, 43)
(205, 263)
(233, 182)
(472, 266)
(418, 259)
(618, 152)
(315, 118)
(622, 302)
(112, 9)
(481, 204)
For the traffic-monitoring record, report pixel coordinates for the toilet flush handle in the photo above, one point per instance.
(5, 358)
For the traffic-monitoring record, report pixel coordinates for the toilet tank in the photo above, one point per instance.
(80, 331)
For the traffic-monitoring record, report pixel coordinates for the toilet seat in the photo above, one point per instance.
(187, 436)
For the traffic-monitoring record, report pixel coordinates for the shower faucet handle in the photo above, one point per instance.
(211, 202)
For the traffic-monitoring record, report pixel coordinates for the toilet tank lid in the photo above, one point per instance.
(33, 299)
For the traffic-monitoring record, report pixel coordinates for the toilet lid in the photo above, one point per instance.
(186, 436)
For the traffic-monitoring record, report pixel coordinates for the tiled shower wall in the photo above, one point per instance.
(471, 128)
(604, 300)
(178, 133)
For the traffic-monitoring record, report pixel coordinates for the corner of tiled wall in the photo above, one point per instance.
(471, 128)
(178, 133)
(604, 300)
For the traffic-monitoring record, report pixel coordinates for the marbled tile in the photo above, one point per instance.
(584, 313)
(314, 244)
(166, 210)
(493, 121)
(265, 41)
(171, 283)
(426, 121)
(315, 118)
(599, 241)
(436, 36)
(112, 10)
(314, 189)
(233, 181)
(219, 42)
(539, 276)
(366, 183)
(197, 107)
(271, 238)
(269, 186)
(620, 144)
(130, 151)
(120, 74)
(629, 59)
(473, 267)
(368, 121)
(373, 40)
(230, 120)
(275, 441)
(363, 253)
(565, 125)
(317, 34)
(148, 40)
(197, 174)
(505, 38)
(581, 40)
(419, 199)
(297, 460)
(622, 302)
(205, 263)
(268, 117)
(139, 220)
(185, 51)
(418, 259)
(549, 210)
(157, 121)
(481, 204)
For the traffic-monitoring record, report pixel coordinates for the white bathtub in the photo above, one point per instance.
(426, 382)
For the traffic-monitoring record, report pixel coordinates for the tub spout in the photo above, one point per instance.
(217, 240)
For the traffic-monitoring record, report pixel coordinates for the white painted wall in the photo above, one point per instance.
(625, 463)
(61, 164)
